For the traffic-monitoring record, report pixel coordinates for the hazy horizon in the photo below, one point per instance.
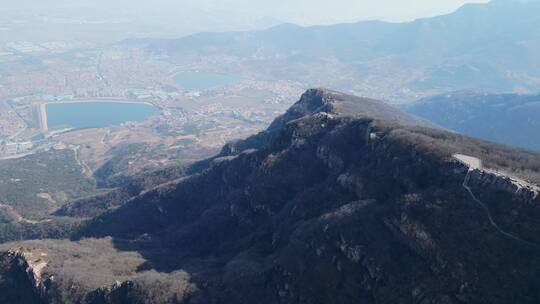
(242, 14)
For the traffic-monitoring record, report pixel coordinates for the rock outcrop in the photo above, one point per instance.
(90, 271)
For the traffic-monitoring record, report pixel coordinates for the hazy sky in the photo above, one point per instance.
(114, 20)
(329, 11)
(298, 11)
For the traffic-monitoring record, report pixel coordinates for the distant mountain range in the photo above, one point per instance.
(494, 46)
(505, 118)
(341, 200)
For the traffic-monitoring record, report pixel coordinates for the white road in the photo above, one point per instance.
(472, 162)
(476, 164)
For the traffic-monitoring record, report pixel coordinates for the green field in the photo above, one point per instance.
(38, 184)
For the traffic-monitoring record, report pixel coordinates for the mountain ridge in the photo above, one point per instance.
(325, 206)
(491, 46)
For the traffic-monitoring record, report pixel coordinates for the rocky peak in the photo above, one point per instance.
(324, 100)
(312, 101)
(337, 104)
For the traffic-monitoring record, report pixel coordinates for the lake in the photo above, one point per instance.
(204, 80)
(95, 114)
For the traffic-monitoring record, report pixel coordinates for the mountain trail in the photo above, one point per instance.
(476, 164)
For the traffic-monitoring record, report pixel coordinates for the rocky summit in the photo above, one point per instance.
(341, 200)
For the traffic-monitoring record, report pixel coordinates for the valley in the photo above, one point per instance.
(193, 121)
(510, 119)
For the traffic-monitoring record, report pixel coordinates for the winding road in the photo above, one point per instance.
(18, 217)
(476, 164)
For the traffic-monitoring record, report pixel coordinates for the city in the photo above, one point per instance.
(192, 121)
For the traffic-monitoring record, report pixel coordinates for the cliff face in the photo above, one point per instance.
(18, 282)
(90, 271)
(341, 200)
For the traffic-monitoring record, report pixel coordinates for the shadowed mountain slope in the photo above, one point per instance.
(341, 200)
(506, 118)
